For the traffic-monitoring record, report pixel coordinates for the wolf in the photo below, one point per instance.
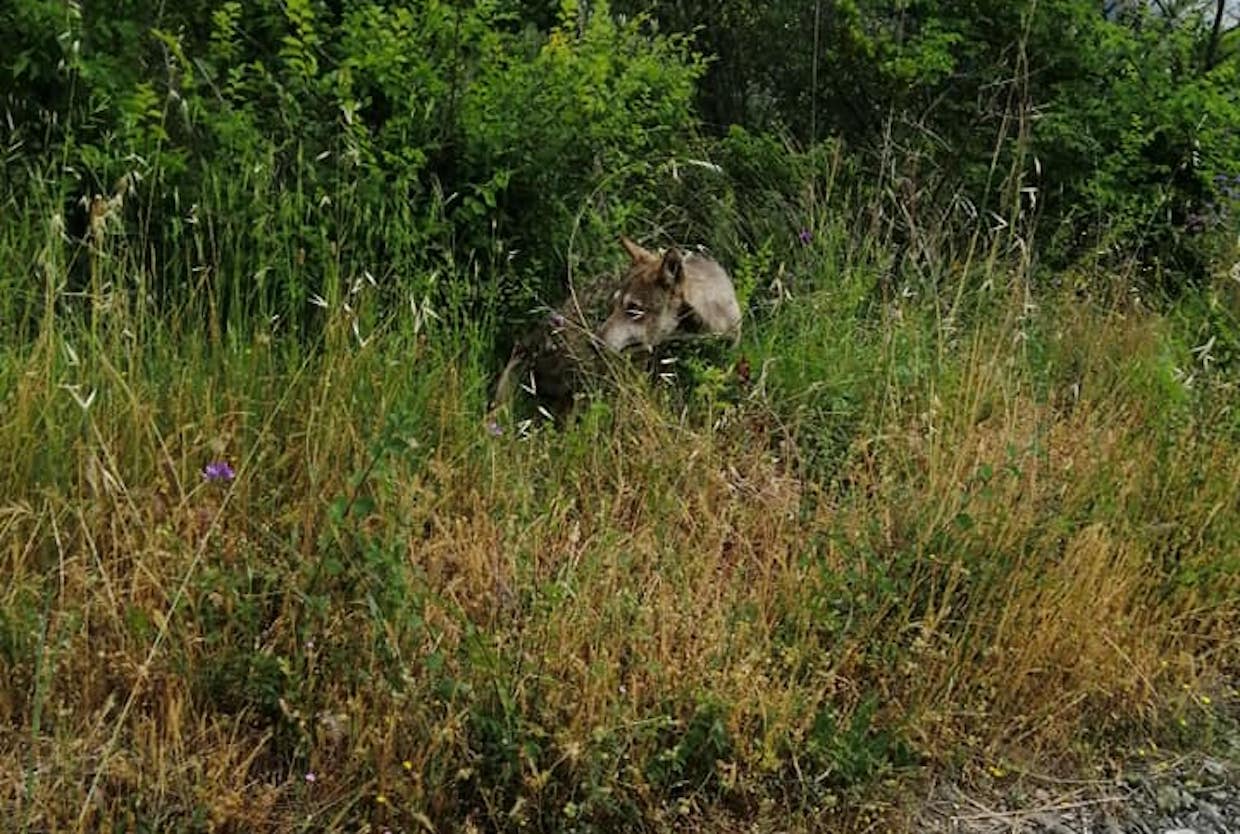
(663, 297)
(668, 295)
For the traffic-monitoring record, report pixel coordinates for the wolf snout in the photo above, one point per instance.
(607, 336)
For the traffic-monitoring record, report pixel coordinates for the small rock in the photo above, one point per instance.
(1054, 826)
(1179, 831)
(1169, 799)
(1214, 767)
(1210, 812)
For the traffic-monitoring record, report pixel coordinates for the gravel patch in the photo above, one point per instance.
(1193, 795)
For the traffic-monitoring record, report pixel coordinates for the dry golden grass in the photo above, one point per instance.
(642, 617)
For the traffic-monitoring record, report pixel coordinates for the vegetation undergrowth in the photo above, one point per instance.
(890, 541)
(963, 499)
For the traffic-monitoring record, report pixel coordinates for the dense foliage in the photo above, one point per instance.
(1114, 119)
(438, 131)
(496, 137)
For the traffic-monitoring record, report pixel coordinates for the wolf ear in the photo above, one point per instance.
(672, 269)
(636, 252)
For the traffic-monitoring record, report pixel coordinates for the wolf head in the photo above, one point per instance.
(648, 307)
(666, 294)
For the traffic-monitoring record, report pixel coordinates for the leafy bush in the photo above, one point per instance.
(284, 150)
(1109, 129)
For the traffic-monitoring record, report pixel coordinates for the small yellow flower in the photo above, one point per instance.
(407, 765)
(558, 42)
(381, 799)
(1205, 699)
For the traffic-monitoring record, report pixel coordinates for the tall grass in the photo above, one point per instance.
(904, 536)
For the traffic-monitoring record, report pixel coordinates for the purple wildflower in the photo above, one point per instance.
(310, 777)
(494, 428)
(805, 236)
(556, 319)
(218, 470)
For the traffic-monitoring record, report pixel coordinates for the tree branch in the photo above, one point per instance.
(1216, 33)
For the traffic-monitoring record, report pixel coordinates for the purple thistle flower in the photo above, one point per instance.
(218, 470)
(805, 237)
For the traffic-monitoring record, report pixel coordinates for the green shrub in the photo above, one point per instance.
(274, 154)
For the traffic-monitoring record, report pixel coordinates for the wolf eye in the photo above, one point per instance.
(634, 310)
